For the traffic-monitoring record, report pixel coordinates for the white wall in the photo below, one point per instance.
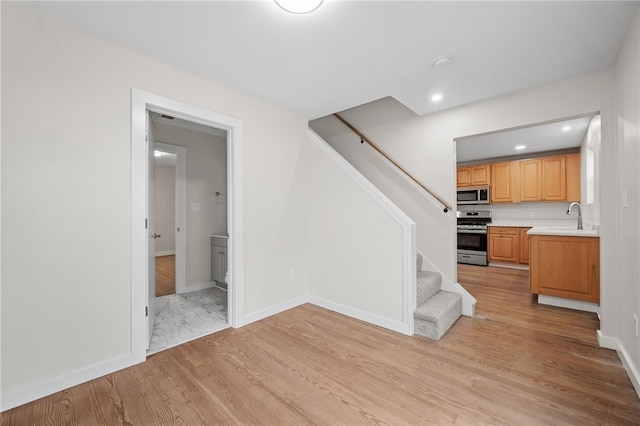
(536, 213)
(165, 209)
(66, 112)
(623, 303)
(206, 174)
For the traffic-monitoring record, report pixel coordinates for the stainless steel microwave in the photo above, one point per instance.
(473, 195)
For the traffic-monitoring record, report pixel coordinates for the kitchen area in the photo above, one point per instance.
(527, 199)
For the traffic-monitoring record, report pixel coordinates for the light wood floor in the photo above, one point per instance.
(165, 275)
(514, 363)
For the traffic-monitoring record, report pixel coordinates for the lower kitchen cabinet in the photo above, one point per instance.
(508, 244)
(503, 244)
(523, 246)
(567, 267)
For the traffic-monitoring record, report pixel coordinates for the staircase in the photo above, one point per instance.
(437, 309)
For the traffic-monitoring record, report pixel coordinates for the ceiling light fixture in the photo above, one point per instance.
(520, 147)
(566, 128)
(299, 6)
(442, 61)
(437, 97)
(157, 153)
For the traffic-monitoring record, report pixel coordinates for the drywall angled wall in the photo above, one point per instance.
(361, 247)
(66, 198)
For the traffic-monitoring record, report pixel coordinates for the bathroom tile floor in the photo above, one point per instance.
(184, 317)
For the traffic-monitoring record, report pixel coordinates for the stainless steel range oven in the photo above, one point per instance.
(472, 236)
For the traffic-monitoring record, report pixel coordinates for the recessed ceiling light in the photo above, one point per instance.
(299, 6)
(437, 97)
(520, 147)
(157, 153)
(566, 128)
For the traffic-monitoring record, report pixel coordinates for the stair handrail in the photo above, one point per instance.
(363, 139)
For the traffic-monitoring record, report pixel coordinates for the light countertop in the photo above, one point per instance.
(530, 223)
(588, 231)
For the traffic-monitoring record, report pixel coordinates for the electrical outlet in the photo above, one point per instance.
(292, 274)
(635, 324)
(195, 207)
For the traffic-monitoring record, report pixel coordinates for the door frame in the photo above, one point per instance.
(180, 202)
(141, 102)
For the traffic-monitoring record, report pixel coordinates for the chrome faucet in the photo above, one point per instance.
(579, 213)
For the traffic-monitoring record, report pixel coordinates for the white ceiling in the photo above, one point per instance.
(537, 137)
(558, 135)
(348, 53)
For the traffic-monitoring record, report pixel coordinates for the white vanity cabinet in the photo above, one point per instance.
(219, 245)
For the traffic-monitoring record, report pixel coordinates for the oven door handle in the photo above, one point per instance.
(471, 231)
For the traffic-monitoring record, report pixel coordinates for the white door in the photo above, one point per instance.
(151, 228)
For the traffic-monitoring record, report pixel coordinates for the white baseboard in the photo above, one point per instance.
(165, 253)
(629, 367)
(631, 370)
(272, 310)
(374, 319)
(578, 305)
(607, 342)
(196, 287)
(47, 387)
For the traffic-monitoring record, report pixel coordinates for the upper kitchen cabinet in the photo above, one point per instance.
(504, 179)
(555, 178)
(543, 179)
(477, 175)
(573, 177)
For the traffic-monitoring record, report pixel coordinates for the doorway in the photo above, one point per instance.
(194, 304)
(142, 103)
(168, 222)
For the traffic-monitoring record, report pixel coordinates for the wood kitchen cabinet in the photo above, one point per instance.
(473, 175)
(543, 179)
(555, 178)
(504, 182)
(508, 244)
(567, 267)
(503, 244)
(523, 246)
(573, 177)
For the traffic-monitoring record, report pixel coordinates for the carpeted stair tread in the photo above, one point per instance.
(427, 284)
(434, 308)
(437, 309)
(434, 317)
